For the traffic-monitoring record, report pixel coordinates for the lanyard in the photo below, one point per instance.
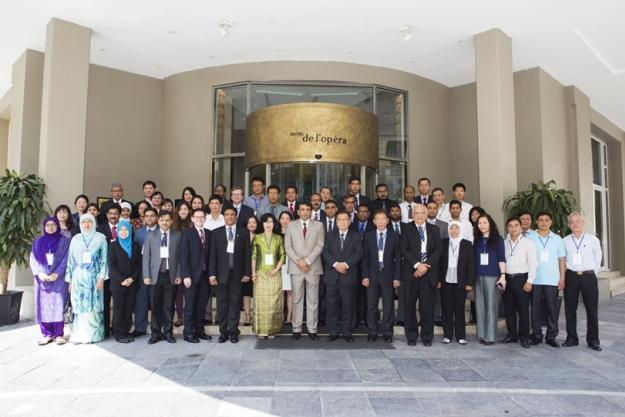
(85, 240)
(453, 250)
(513, 248)
(580, 242)
(544, 243)
(268, 242)
(484, 245)
(257, 202)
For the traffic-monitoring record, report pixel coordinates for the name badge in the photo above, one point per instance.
(164, 252)
(510, 260)
(483, 258)
(269, 259)
(380, 256)
(230, 248)
(50, 258)
(544, 256)
(86, 257)
(577, 259)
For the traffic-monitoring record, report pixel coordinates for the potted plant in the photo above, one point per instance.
(22, 207)
(541, 196)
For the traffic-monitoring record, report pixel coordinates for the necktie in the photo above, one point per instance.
(230, 234)
(422, 238)
(163, 267)
(397, 229)
(317, 216)
(202, 237)
(361, 228)
(331, 226)
(203, 240)
(380, 248)
(409, 211)
(230, 255)
(384, 205)
(291, 208)
(342, 240)
(113, 232)
(304, 230)
(424, 201)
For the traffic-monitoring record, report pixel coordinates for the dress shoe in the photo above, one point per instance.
(137, 333)
(191, 339)
(427, 343)
(570, 342)
(313, 336)
(525, 344)
(122, 339)
(508, 340)
(595, 346)
(535, 341)
(296, 336)
(154, 339)
(170, 338)
(204, 336)
(400, 323)
(438, 323)
(349, 339)
(234, 338)
(552, 343)
(412, 343)
(388, 339)
(371, 339)
(222, 338)
(178, 323)
(487, 343)
(446, 340)
(332, 337)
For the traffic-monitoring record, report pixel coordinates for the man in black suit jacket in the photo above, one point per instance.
(229, 266)
(382, 202)
(109, 229)
(354, 189)
(381, 271)
(424, 196)
(315, 204)
(194, 262)
(243, 212)
(361, 225)
(342, 252)
(421, 249)
(291, 202)
(117, 197)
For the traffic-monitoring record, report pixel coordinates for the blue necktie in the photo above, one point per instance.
(380, 248)
(362, 228)
(424, 254)
(397, 229)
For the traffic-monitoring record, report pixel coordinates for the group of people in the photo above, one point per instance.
(316, 262)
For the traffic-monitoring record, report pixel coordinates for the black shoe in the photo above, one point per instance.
(400, 323)
(595, 346)
(570, 342)
(222, 338)
(122, 339)
(388, 339)
(204, 336)
(207, 322)
(525, 344)
(137, 333)
(438, 323)
(332, 337)
(508, 340)
(322, 322)
(552, 343)
(154, 339)
(234, 338)
(536, 341)
(487, 343)
(313, 336)
(412, 343)
(191, 339)
(349, 339)
(296, 336)
(170, 338)
(427, 344)
(371, 339)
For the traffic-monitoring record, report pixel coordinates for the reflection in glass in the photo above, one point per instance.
(393, 174)
(390, 111)
(265, 95)
(229, 171)
(230, 115)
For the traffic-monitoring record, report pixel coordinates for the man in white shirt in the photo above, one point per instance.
(317, 211)
(458, 192)
(583, 261)
(424, 196)
(408, 204)
(214, 219)
(520, 274)
(438, 195)
(456, 211)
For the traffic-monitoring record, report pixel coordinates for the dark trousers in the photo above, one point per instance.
(229, 305)
(453, 297)
(107, 308)
(195, 301)
(374, 292)
(438, 308)
(142, 305)
(340, 298)
(123, 304)
(547, 296)
(360, 304)
(517, 303)
(161, 305)
(322, 301)
(419, 289)
(587, 285)
(401, 301)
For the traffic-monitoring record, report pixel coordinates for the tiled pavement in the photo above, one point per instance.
(108, 379)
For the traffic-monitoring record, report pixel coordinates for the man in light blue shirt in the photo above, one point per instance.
(258, 197)
(549, 279)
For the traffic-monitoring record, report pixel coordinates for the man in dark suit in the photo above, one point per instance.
(424, 196)
(243, 211)
(381, 269)
(421, 249)
(220, 190)
(194, 262)
(315, 204)
(109, 229)
(382, 202)
(354, 189)
(329, 225)
(361, 225)
(342, 251)
(229, 266)
(291, 202)
(117, 197)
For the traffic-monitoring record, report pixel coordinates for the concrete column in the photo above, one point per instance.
(495, 120)
(64, 110)
(23, 144)
(4, 143)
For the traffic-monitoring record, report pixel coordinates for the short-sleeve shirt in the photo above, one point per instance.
(548, 269)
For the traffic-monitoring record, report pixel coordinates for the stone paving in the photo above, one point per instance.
(214, 379)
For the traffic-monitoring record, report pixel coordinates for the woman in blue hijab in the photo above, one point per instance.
(124, 271)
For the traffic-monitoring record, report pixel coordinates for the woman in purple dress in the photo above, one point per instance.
(48, 261)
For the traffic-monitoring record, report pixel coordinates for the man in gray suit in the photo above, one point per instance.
(303, 244)
(432, 209)
(161, 271)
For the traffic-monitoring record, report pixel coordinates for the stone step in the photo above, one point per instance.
(617, 283)
(617, 291)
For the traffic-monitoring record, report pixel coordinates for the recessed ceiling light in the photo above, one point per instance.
(406, 32)
(102, 50)
(460, 41)
(348, 52)
(211, 57)
(171, 32)
(224, 27)
(279, 51)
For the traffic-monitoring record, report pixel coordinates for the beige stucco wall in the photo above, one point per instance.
(123, 132)
(4, 144)
(187, 115)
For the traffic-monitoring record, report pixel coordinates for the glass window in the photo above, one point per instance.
(300, 174)
(390, 111)
(393, 174)
(597, 166)
(230, 115)
(265, 95)
(336, 176)
(229, 171)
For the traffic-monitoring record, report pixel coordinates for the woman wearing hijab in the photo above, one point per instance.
(457, 277)
(48, 261)
(86, 271)
(124, 271)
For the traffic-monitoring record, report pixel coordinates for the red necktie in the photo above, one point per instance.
(291, 208)
(114, 233)
(305, 230)
(202, 237)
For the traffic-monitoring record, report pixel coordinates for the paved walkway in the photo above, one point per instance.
(109, 378)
